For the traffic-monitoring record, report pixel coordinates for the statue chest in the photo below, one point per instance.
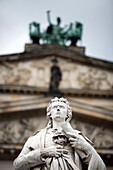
(55, 138)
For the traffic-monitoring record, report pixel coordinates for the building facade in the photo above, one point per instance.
(24, 94)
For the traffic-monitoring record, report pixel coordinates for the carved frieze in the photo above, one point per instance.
(18, 131)
(99, 135)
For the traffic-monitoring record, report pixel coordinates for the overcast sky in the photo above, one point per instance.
(96, 16)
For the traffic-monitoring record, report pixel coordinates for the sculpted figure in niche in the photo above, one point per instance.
(58, 146)
(56, 76)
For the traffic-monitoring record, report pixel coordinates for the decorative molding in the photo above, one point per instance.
(37, 105)
(41, 51)
(19, 89)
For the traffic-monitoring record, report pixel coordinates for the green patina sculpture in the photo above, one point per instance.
(75, 33)
(34, 32)
(55, 34)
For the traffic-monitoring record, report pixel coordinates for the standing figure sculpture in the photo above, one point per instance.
(56, 77)
(58, 146)
(54, 32)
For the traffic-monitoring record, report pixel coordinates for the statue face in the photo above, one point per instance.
(58, 111)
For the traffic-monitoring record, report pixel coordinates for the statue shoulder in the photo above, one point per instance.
(34, 141)
(38, 132)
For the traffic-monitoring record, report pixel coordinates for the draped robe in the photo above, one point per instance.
(30, 157)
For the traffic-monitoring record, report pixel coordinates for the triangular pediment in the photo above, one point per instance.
(76, 54)
(32, 68)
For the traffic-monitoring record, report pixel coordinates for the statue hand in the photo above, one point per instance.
(55, 151)
(79, 142)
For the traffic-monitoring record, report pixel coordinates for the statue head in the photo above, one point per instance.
(59, 101)
(78, 24)
(54, 61)
(58, 20)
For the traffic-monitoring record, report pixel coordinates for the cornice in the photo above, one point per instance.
(37, 105)
(76, 54)
(19, 89)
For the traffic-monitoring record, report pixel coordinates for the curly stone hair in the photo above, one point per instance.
(56, 99)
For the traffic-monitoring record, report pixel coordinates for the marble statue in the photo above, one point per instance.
(58, 146)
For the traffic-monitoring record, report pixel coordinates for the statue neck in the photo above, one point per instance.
(57, 125)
